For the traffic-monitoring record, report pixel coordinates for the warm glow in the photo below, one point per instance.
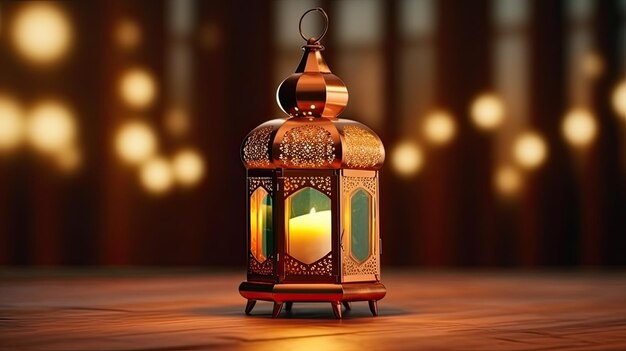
(127, 34)
(137, 88)
(592, 64)
(439, 127)
(41, 32)
(530, 150)
(310, 235)
(11, 123)
(579, 127)
(507, 180)
(407, 158)
(51, 127)
(135, 142)
(487, 111)
(619, 99)
(156, 176)
(260, 224)
(188, 167)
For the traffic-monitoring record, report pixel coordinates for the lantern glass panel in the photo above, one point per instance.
(308, 225)
(360, 225)
(261, 229)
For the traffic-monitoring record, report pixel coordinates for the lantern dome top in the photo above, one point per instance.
(312, 136)
(312, 90)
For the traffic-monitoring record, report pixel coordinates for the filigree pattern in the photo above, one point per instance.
(256, 148)
(307, 146)
(261, 268)
(351, 183)
(322, 267)
(322, 184)
(351, 267)
(361, 148)
(255, 182)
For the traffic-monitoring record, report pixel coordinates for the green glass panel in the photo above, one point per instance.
(303, 201)
(268, 234)
(360, 225)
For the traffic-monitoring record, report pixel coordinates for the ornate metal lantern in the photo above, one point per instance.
(312, 180)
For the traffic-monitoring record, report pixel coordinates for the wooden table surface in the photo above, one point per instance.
(201, 310)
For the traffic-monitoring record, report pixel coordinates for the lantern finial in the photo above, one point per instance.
(312, 90)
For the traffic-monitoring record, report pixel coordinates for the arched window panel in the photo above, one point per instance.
(361, 226)
(261, 224)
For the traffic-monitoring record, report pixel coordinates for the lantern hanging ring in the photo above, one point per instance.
(314, 40)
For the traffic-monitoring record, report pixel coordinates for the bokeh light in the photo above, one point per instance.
(407, 158)
(41, 32)
(439, 127)
(592, 65)
(11, 123)
(619, 99)
(530, 150)
(188, 167)
(135, 142)
(156, 175)
(487, 111)
(51, 126)
(579, 127)
(507, 180)
(127, 34)
(137, 88)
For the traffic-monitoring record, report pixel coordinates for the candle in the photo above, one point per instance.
(310, 236)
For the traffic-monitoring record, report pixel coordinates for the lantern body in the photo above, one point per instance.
(312, 185)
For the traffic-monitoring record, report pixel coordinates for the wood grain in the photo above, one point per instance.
(198, 310)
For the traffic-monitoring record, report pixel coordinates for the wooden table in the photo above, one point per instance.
(198, 310)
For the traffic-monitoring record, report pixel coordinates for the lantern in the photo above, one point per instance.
(312, 185)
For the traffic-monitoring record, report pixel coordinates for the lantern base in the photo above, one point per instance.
(335, 294)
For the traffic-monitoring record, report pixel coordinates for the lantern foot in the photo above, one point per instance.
(250, 306)
(373, 307)
(336, 309)
(277, 307)
(338, 295)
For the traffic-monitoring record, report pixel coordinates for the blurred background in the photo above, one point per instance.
(503, 120)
